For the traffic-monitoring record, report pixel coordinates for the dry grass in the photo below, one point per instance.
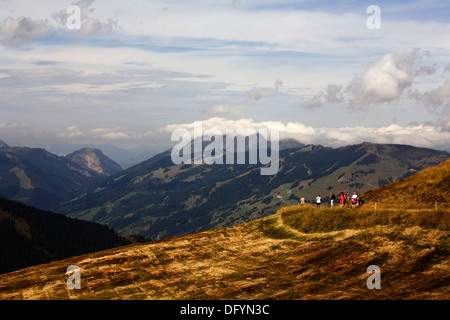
(421, 190)
(290, 255)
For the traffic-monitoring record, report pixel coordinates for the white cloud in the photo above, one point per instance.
(447, 69)
(89, 25)
(15, 32)
(97, 89)
(108, 134)
(418, 135)
(435, 98)
(7, 125)
(225, 109)
(254, 95)
(444, 122)
(386, 80)
(71, 132)
(332, 94)
(93, 26)
(99, 134)
(278, 84)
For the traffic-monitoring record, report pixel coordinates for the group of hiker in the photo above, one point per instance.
(343, 198)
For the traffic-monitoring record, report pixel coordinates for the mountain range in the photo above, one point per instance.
(158, 199)
(37, 177)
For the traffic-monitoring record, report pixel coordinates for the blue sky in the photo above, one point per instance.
(313, 70)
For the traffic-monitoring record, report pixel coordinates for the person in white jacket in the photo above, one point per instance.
(318, 200)
(354, 200)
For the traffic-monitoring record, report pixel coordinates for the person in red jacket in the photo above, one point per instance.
(341, 199)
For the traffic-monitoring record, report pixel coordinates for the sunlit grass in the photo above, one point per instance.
(422, 190)
(310, 219)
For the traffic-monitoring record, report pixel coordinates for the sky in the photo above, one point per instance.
(129, 73)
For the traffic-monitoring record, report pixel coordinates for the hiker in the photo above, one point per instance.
(318, 200)
(345, 199)
(354, 200)
(360, 202)
(341, 198)
(332, 198)
(302, 200)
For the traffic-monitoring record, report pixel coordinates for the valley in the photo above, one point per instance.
(158, 199)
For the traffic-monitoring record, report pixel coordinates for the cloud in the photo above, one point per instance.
(278, 84)
(386, 80)
(15, 32)
(93, 26)
(436, 97)
(437, 101)
(46, 63)
(225, 109)
(254, 95)
(219, 123)
(447, 69)
(7, 125)
(417, 135)
(444, 122)
(89, 25)
(97, 89)
(108, 134)
(332, 94)
(71, 132)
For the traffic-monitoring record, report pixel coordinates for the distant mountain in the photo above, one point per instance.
(158, 199)
(124, 157)
(29, 236)
(3, 144)
(94, 160)
(37, 177)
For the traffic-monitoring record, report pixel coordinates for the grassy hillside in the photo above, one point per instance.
(298, 253)
(421, 190)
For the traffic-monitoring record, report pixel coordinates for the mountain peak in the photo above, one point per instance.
(3, 144)
(95, 160)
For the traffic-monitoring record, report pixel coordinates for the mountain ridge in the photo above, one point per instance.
(37, 177)
(95, 160)
(158, 199)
